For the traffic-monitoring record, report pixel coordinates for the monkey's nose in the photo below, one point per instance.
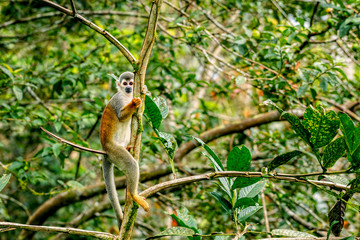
(128, 89)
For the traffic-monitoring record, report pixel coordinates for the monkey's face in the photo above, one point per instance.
(126, 83)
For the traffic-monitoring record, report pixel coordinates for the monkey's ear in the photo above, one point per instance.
(118, 85)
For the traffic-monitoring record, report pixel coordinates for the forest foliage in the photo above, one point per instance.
(251, 117)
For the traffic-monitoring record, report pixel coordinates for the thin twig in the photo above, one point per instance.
(347, 53)
(72, 144)
(266, 219)
(282, 11)
(6, 197)
(84, 12)
(342, 108)
(98, 29)
(313, 13)
(73, 231)
(222, 45)
(73, 8)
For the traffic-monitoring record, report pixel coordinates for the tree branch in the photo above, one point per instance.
(227, 129)
(72, 144)
(214, 175)
(73, 231)
(50, 207)
(92, 25)
(130, 210)
(84, 12)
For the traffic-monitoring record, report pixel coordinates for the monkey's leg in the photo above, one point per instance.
(125, 161)
(108, 170)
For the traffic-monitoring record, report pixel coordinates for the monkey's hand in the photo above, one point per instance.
(129, 147)
(141, 201)
(145, 89)
(136, 102)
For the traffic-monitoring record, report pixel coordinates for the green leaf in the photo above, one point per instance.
(240, 80)
(4, 180)
(244, 202)
(214, 158)
(18, 93)
(239, 159)
(242, 182)
(302, 90)
(162, 105)
(74, 184)
(217, 164)
(153, 112)
(16, 165)
(333, 152)
(252, 190)
(175, 231)
(321, 124)
(294, 122)
(351, 134)
(184, 219)
(282, 159)
(297, 126)
(223, 238)
(339, 70)
(223, 201)
(57, 126)
(248, 212)
(168, 141)
(7, 72)
(291, 233)
(338, 179)
(56, 149)
(324, 83)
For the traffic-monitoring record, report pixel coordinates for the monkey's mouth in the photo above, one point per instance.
(128, 89)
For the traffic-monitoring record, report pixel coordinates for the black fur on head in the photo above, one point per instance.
(126, 76)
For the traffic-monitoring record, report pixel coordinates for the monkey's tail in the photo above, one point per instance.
(108, 171)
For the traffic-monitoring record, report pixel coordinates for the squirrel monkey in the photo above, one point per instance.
(115, 129)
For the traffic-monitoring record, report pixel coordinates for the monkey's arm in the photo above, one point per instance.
(127, 111)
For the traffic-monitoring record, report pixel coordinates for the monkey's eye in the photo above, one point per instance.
(131, 83)
(125, 83)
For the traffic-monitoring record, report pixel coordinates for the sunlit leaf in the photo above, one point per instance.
(248, 212)
(333, 152)
(252, 190)
(153, 112)
(4, 180)
(322, 125)
(162, 105)
(291, 233)
(174, 231)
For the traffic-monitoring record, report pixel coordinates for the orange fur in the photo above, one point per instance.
(107, 124)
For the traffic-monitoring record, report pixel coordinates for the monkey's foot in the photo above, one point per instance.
(145, 89)
(141, 201)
